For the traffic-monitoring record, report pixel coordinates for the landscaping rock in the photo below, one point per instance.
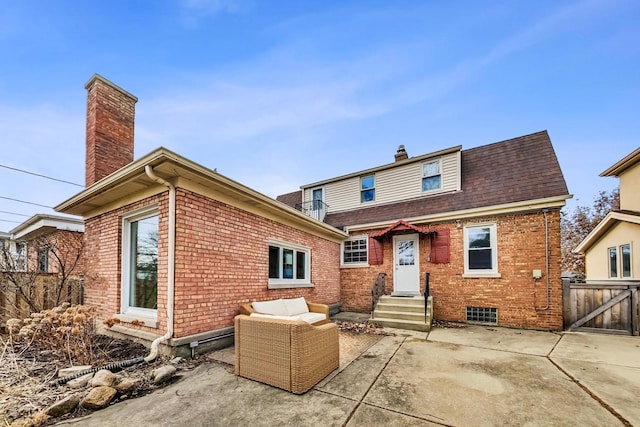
(98, 397)
(126, 385)
(104, 378)
(163, 373)
(64, 406)
(176, 360)
(65, 372)
(80, 382)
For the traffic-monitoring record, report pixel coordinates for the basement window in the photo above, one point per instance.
(482, 315)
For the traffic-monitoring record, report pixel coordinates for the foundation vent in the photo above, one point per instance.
(483, 315)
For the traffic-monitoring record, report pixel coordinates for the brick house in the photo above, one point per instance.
(483, 222)
(41, 260)
(174, 248)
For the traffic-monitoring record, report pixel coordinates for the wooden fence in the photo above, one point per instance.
(602, 306)
(43, 294)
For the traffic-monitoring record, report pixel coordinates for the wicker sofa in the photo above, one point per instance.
(289, 354)
(288, 309)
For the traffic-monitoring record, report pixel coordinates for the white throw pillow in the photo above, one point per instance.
(296, 306)
(274, 307)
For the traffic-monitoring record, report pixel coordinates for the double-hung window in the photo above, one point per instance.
(289, 265)
(481, 251)
(355, 251)
(613, 262)
(43, 260)
(140, 263)
(625, 260)
(431, 176)
(620, 261)
(20, 257)
(367, 188)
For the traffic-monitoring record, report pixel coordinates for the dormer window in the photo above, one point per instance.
(367, 189)
(431, 176)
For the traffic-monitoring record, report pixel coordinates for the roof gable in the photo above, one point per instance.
(622, 165)
(513, 171)
(608, 222)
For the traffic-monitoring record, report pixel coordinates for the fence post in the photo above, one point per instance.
(635, 311)
(566, 303)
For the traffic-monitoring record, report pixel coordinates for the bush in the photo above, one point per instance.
(67, 331)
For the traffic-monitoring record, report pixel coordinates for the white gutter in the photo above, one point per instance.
(171, 262)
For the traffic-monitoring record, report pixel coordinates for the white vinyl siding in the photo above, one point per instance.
(391, 185)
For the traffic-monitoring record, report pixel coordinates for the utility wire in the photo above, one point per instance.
(41, 176)
(28, 203)
(8, 220)
(13, 213)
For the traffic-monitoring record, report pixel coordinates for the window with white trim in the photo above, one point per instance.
(355, 251)
(481, 250)
(613, 262)
(289, 265)
(431, 176)
(20, 257)
(140, 263)
(367, 188)
(625, 260)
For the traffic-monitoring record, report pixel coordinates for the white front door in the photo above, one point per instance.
(406, 264)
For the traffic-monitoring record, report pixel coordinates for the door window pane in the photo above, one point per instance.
(406, 253)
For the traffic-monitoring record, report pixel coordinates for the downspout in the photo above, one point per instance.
(546, 257)
(171, 262)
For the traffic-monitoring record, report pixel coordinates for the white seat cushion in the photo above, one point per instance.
(274, 307)
(311, 317)
(270, 316)
(296, 306)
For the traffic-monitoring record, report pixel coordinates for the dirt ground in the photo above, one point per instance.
(27, 373)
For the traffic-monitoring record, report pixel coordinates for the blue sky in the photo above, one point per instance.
(276, 94)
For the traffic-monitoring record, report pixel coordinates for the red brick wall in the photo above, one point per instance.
(103, 257)
(222, 262)
(521, 249)
(110, 125)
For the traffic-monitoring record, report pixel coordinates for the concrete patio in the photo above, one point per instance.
(481, 376)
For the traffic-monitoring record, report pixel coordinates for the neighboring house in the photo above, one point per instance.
(612, 249)
(173, 248)
(484, 223)
(41, 264)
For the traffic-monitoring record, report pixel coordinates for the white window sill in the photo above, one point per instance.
(286, 284)
(150, 322)
(482, 276)
(355, 265)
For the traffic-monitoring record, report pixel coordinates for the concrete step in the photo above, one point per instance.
(388, 306)
(400, 315)
(403, 324)
(418, 300)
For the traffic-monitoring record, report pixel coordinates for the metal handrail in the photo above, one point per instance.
(425, 294)
(377, 290)
(316, 209)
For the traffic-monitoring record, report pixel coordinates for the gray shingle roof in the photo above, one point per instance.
(515, 170)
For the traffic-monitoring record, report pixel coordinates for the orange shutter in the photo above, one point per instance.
(375, 251)
(440, 246)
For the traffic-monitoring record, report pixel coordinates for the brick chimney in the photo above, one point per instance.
(110, 116)
(401, 154)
